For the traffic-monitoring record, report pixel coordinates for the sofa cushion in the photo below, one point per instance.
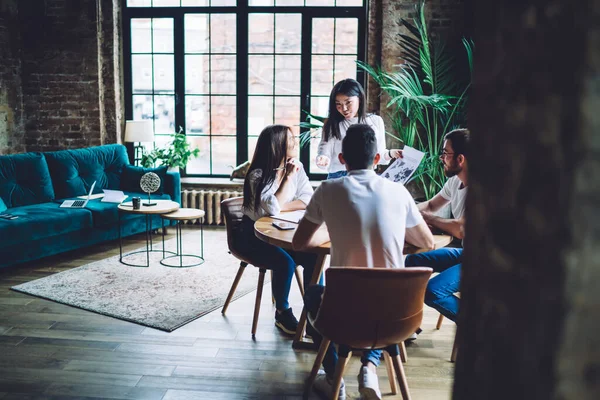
(131, 176)
(42, 220)
(105, 214)
(73, 171)
(2, 205)
(25, 179)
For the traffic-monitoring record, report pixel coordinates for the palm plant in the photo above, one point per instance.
(427, 96)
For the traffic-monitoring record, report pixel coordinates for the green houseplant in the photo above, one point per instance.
(427, 95)
(175, 155)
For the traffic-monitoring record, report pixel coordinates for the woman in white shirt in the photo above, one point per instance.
(347, 107)
(276, 182)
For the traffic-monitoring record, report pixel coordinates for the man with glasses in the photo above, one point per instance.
(446, 261)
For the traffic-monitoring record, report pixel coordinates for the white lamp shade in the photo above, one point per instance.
(139, 131)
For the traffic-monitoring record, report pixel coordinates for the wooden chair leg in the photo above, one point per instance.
(339, 374)
(454, 347)
(259, 289)
(403, 355)
(300, 283)
(439, 322)
(236, 281)
(401, 377)
(390, 372)
(316, 366)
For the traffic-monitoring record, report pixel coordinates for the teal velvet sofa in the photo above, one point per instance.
(33, 185)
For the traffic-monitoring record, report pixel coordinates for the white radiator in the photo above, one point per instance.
(208, 200)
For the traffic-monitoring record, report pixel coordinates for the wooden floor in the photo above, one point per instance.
(53, 351)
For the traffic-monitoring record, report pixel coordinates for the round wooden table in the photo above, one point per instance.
(161, 207)
(265, 231)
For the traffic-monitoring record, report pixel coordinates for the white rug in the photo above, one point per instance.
(159, 297)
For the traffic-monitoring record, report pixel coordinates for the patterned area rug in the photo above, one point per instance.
(159, 297)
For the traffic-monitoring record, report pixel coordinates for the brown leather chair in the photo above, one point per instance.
(370, 308)
(231, 209)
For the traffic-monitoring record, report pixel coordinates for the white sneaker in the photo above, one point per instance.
(411, 338)
(324, 386)
(368, 384)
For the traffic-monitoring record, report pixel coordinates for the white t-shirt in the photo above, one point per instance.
(456, 195)
(333, 147)
(269, 205)
(366, 216)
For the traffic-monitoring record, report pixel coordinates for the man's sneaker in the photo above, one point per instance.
(324, 386)
(368, 384)
(414, 335)
(286, 321)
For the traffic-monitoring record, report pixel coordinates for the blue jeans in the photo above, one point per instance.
(441, 288)
(282, 262)
(338, 174)
(312, 301)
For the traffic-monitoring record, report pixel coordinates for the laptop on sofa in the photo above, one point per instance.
(79, 203)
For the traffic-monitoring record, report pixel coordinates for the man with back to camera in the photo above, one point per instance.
(368, 218)
(447, 261)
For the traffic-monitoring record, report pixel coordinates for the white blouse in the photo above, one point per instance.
(269, 205)
(333, 147)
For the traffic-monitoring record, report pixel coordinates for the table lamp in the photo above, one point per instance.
(137, 132)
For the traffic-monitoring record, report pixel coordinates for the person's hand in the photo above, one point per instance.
(291, 168)
(396, 153)
(322, 161)
(427, 216)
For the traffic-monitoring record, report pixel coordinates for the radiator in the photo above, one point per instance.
(208, 200)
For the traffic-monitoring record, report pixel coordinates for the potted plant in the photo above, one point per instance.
(175, 155)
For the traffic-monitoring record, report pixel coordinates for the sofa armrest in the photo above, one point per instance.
(173, 186)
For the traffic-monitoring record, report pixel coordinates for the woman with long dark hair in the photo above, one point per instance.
(276, 182)
(347, 107)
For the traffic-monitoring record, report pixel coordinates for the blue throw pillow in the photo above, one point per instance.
(130, 178)
(2, 205)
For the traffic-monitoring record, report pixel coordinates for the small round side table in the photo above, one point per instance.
(181, 215)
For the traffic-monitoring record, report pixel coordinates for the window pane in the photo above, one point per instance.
(196, 33)
(196, 74)
(142, 108)
(197, 114)
(260, 33)
(260, 74)
(222, 3)
(287, 112)
(260, 3)
(319, 106)
(289, 2)
(186, 3)
(162, 39)
(139, 3)
(322, 75)
(141, 37)
(287, 75)
(222, 33)
(260, 113)
(141, 73)
(200, 164)
(288, 33)
(223, 76)
(223, 116)
(345, 67)
(164, 78)
(349, 3)
(251, 146)
(346, 35)
(165, 3)
(164, 114)
(223, 155)
(322, 3)
(322, 35)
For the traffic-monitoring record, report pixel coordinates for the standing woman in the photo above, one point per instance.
(347, 107)
(276, 182)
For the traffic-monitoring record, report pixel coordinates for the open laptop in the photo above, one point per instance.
(78, 203)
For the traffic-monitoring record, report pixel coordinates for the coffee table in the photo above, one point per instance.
(181, 215)
(161, 207)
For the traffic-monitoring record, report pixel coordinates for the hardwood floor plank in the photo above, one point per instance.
(163, 349)
(69, 343)
(106, 391)
(119, 368)
(209, 372)
(114, 326)
(200, 395)
(62, 376)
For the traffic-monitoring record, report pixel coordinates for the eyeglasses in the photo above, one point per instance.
(444, 154)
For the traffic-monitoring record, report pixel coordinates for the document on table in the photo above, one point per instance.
(403, 168)
(291, 216)
(113, 196)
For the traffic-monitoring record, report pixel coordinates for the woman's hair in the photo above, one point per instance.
(347, 87)
(270, 152)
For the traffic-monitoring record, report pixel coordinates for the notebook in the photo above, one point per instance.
(78, 203)
(290, 216)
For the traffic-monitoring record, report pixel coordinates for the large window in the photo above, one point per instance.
(221, 70)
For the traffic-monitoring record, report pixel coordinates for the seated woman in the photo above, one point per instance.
(276, 182)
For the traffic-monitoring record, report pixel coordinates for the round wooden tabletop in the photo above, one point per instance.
(161, 207)
(265, 231)
(184, 214)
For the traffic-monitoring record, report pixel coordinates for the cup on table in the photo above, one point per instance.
(137, 203)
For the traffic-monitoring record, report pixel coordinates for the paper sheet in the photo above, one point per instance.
(113, 196)
(402, 168)
(290, 216)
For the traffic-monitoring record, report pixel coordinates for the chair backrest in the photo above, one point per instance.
(231, 209)
(370, 308)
